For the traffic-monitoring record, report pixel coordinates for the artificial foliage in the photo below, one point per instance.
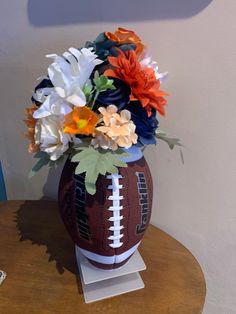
(95, 103)
(93, 162)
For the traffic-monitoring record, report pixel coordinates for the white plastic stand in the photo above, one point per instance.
(100, 284)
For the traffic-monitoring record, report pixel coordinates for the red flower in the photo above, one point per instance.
(142, 81)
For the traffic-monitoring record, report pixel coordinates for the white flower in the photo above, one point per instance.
(69, 75)
(50, 136)
(146, 61)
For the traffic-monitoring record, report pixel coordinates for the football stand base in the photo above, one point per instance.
(98, 284)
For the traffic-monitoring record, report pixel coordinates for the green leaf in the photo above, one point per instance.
(103, 80)
(43, 160)
(122, 153)
(94, 162)
(117, 162)
(171, 141)
(55, 163)
(88, 90)
(90, 185)
(102, 83)
(40, 154)
(96, 76)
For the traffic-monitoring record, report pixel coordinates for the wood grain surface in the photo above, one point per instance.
(42, 276)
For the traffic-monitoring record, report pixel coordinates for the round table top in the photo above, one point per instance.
(42, 275)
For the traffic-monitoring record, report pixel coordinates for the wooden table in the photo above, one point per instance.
(42, 275)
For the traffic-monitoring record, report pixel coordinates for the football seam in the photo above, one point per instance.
(115, 208)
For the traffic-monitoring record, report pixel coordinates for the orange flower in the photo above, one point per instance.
(81, 120)
(125, 36)
(144, 85)
(30, 123)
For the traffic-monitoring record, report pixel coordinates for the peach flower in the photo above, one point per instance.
(118, 126)
(103, 141)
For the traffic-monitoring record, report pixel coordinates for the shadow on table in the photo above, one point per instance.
(40, 223)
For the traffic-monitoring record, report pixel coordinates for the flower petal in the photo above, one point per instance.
(78, 99)
(125, 115)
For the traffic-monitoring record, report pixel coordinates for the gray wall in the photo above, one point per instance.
(195, 42)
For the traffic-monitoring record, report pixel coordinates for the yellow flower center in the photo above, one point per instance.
(82, 123)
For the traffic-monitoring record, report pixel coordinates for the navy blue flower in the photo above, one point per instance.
(118, 97)
(44, 83)
(145, 126)
(105, 47)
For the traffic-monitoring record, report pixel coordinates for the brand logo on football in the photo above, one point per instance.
(80, 208)
(143, 201)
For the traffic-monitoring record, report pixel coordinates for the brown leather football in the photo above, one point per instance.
(108, 226)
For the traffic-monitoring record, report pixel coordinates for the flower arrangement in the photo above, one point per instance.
(95, 103)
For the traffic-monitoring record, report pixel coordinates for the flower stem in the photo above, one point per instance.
(95, 98)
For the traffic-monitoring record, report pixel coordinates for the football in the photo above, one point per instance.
(108, 226)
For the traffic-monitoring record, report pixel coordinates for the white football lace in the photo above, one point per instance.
(115, 209)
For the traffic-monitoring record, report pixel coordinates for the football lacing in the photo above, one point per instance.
(118, 218)
(115, 198)
(115, 208)
(111, 208)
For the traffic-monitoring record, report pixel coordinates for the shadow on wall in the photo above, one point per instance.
(50, 188)
(54, 12)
